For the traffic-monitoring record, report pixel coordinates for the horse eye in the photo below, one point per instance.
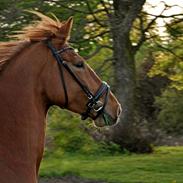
(79, 65)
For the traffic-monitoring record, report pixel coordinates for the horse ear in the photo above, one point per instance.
(66, 27)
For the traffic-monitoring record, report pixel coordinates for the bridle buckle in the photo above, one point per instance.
(90, 97)
(99, 108)
(91, 105)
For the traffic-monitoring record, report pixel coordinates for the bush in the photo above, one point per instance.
(65, 134)
(170, 116)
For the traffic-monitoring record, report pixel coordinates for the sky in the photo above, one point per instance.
(158, 5)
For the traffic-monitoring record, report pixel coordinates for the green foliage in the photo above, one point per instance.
(169, 57)
(165, 165)
(171, 111)
(102, 67)
(13, 18)
(66, 134)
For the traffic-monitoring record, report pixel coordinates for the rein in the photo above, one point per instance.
(93, 100)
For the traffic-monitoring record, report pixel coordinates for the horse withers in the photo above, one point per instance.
(37, 71)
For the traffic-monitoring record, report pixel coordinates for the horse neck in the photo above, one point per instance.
(22, 115)
(22, 76)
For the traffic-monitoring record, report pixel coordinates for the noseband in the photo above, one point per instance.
(93, 100)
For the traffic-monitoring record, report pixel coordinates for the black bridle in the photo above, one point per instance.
(93, 100)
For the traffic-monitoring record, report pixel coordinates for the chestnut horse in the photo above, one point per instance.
(37, 71)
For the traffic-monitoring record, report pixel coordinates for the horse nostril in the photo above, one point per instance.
(119, 111)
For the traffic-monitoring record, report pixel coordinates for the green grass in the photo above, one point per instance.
(165, 165)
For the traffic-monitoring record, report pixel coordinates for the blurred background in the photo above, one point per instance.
(137, 47)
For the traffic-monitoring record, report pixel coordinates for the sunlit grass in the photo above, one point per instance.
(165, 165)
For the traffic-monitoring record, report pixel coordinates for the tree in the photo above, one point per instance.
(106, 23)
(169, 64)
(125, 12)
(111, 33)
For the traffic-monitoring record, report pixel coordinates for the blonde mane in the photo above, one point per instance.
(38, 31)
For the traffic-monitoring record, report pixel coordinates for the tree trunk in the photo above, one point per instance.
(126, 133)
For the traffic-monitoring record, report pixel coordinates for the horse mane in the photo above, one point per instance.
(39, 30)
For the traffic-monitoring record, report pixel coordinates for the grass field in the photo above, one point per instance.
(165, 165)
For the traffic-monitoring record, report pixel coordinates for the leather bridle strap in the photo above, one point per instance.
(92, 99)
(104, 88)
(61, 62)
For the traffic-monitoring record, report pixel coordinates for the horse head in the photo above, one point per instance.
(72, 84)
